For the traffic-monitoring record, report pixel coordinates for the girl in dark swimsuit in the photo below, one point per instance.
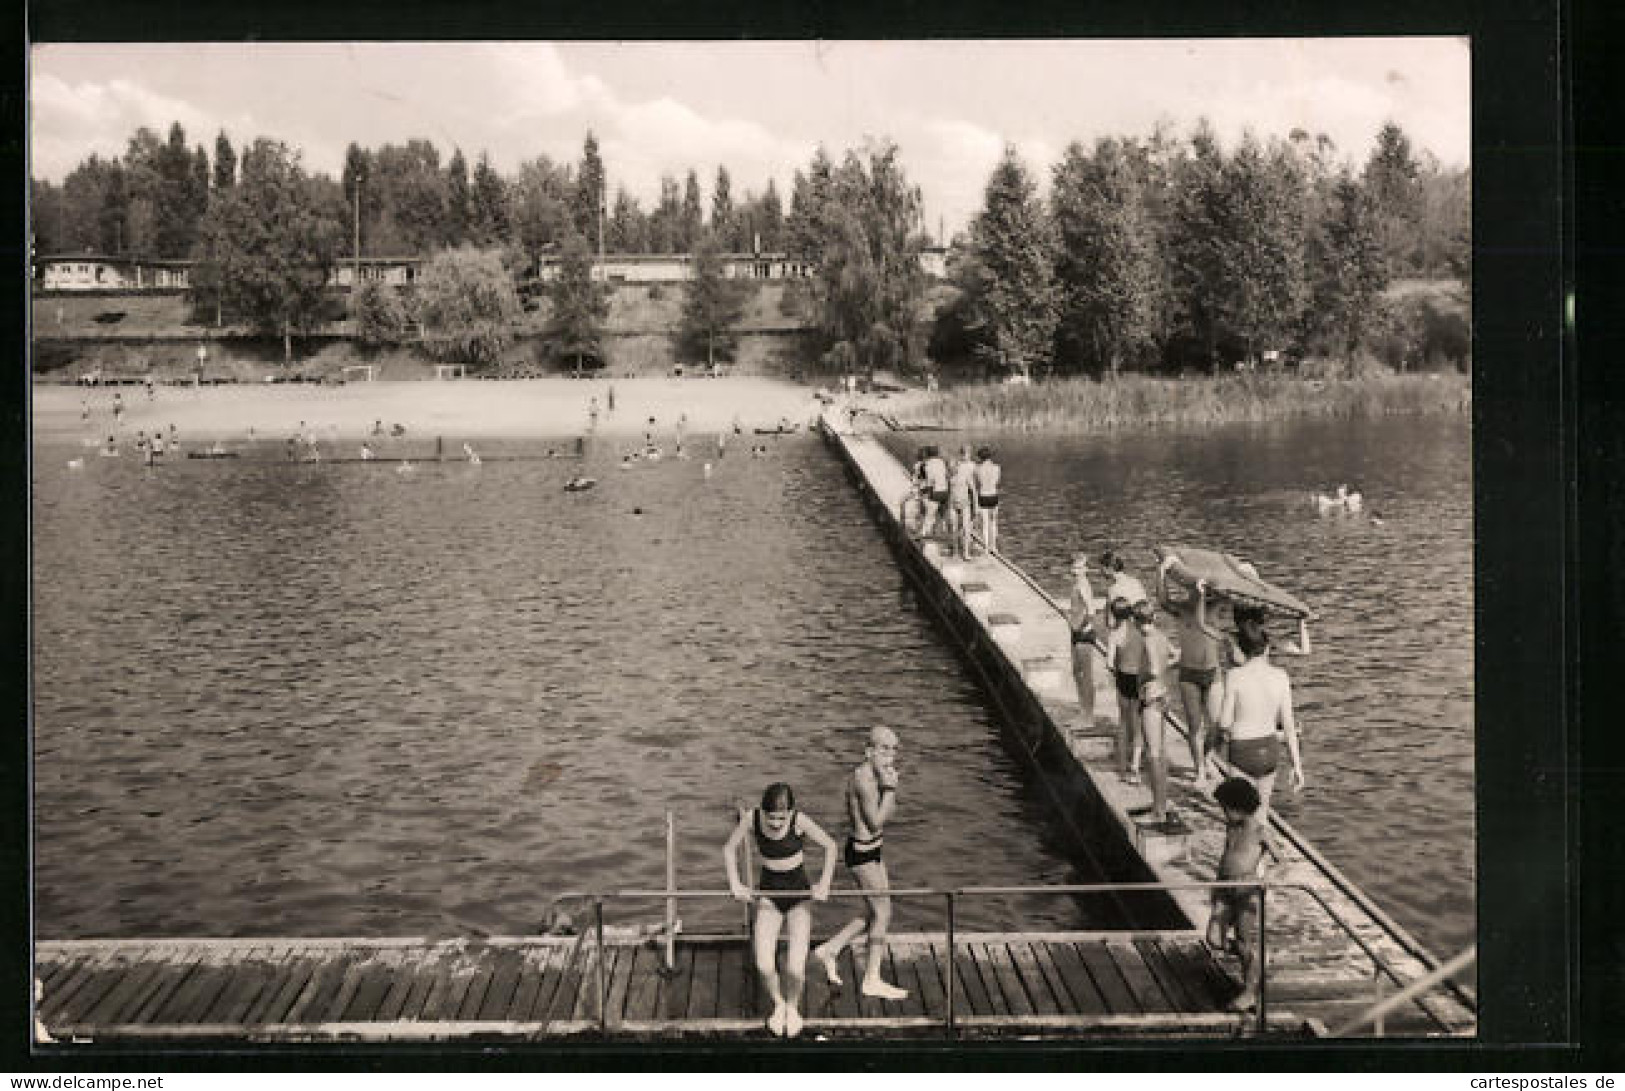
(778, 830)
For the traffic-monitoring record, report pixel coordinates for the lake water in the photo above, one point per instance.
(284, 699)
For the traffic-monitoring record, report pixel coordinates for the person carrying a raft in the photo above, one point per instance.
(1201, 686)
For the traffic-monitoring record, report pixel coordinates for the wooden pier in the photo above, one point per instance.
(1332, 952)
(538, 988)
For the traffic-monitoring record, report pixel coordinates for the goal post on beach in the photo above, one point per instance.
(449, 371)
(367, 371)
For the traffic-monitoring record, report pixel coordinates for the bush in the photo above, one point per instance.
(1423, 332)
(381, 315)
(468, 306)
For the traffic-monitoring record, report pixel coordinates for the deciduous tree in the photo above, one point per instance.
(467, 305)
(267, 249)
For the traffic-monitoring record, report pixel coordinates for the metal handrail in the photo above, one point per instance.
(951, 896)
(1414, 990)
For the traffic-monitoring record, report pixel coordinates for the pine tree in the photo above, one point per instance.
(587, 202)
(712, 304)
(723, 229)
(1349, 270)
(1392, 179)
(488, 205)
(692, 217)
(225, 163)
(768, 222)
(579, 305)
(457, 199)
(1011, 288)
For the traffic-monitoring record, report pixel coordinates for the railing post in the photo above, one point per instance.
(1263, 959)
(953, 1029)
(603, 990)
(1378, 976)
(671, 887)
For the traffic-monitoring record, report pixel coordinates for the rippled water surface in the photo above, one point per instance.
(285, 699)
(281, 699)
(1385, 704)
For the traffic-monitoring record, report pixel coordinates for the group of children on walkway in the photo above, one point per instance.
(1233, 697)
(968, 490)
(783, 895)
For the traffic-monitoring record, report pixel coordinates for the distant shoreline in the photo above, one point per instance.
(1071, 406)
(551, 408)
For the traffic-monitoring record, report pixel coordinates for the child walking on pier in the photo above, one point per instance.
(779, 829)
(1234, 923)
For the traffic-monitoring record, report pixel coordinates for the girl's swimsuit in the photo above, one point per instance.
(782, 864)
(1255, 757)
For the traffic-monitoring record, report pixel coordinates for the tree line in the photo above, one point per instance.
(1163, 254)
(1150, 254)
(151, 202)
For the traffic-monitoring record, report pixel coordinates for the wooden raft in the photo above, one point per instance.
(527, 988)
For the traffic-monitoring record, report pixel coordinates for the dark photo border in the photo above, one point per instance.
(1538, 902)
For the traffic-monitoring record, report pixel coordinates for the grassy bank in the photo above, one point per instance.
(1085, 405)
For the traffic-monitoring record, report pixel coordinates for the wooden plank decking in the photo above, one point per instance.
(1098, 984)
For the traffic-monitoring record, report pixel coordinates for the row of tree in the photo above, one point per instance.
(1162, 253)
(1147, 253)
(399, 200)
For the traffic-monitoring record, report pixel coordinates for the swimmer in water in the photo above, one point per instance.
(779, 832)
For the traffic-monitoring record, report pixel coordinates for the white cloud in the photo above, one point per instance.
(69, 121)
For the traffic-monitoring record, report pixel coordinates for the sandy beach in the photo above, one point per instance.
(455, 409)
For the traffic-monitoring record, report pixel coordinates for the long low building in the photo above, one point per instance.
(123, 272)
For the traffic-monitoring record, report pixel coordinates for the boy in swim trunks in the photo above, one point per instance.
(936, 490)
(1258, 703)
(1085, 644)
(1122, 646)
(988, 474)
(871, 797)
(1200, 685)
(1152, 670)
(1234, 923)
(962, 500)
(778, 829)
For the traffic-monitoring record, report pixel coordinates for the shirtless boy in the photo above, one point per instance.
(1257, 703)
(1200, 686)
(1234, 923)
(871, 797)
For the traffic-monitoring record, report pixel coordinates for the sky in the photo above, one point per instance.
(758, 108)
